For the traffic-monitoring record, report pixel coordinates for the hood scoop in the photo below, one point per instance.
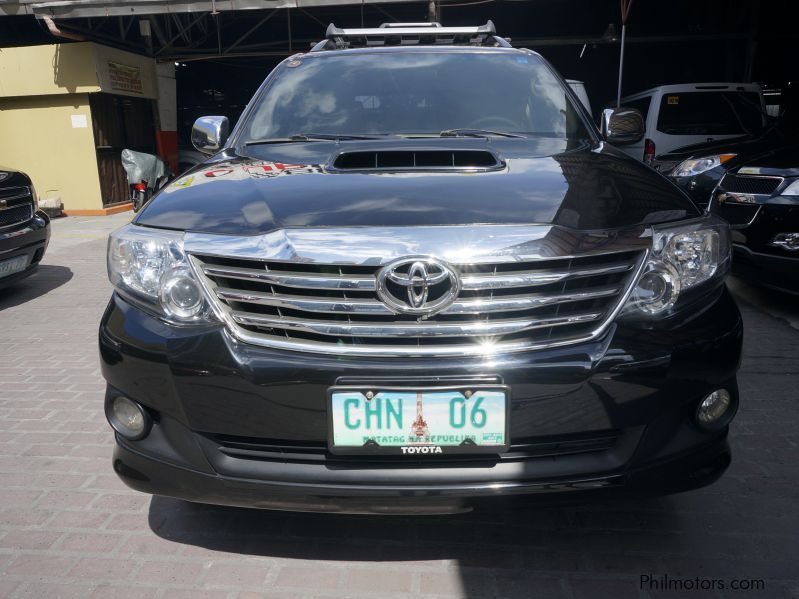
(417, 160)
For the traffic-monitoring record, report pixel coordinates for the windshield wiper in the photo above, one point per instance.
(476, 133)
(303, 137)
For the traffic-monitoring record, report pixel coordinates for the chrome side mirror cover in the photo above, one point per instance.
(209, 133)
(622, 125)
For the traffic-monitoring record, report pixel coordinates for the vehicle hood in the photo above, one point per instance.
(744, 146)
(780, 162)
(708, 148)
(10, 177)
(543, 181)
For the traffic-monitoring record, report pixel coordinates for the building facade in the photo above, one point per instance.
(68, 110)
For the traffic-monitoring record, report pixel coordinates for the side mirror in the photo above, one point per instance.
(622, 125)
(210, 133)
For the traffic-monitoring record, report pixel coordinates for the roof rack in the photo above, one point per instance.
(410, 34)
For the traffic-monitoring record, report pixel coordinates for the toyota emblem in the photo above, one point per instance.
(417, 285)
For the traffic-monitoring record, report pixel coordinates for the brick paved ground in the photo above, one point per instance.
(68, 528)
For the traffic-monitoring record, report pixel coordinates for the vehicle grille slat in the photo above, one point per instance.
(335, 307)
(15, 193)
(342, 306)
(292, 279)
(470, 306)
(417, 329)
(533, 278)
(367, 283)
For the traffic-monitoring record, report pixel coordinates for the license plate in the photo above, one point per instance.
(13, 265)
(418, 422)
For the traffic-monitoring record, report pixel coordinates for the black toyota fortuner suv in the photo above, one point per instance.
(412, 278)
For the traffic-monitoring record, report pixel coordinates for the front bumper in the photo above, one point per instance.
(768, 270)
(29, 239)
(755, 257)
(242, 425)
(699, 467)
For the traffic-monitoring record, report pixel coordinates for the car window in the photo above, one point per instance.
(642, 105)
(414, 92)
(710, 113)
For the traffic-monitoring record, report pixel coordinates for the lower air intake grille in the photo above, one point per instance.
(309, 452)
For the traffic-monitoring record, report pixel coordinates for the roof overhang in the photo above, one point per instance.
(75, 9)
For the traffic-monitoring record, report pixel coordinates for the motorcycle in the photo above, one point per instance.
(146, 174)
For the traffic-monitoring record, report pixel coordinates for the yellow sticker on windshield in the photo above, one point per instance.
(673, 99)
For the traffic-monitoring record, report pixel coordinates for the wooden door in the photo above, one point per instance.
(119, 122)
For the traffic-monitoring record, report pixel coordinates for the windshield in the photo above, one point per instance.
(414, 92)
(711, 113)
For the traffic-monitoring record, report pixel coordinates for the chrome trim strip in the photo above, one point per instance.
(412, 329)
(25, 192)
(307, 304)
(470, 282)
(525, 302)
(474, 244)
(536, 277)
(737, 205)
(293, 279)
(754, 176)
(366, 306)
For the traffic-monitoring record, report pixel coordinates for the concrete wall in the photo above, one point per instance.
(74, 68)
(45, 137)
(47, 70)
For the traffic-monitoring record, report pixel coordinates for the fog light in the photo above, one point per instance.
(714, 411)
(128, 418)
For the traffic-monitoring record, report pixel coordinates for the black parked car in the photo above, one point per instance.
(415, 276)
(697, 169)
(760, 200)
(24, 229)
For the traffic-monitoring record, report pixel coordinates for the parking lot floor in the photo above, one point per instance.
(70, 528)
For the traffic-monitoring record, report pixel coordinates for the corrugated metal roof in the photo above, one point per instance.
(71, 9)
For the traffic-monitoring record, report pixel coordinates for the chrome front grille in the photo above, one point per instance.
(502, 305)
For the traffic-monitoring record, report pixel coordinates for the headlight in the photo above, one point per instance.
(791, 190)
(695, 166)
(149, 267)
(682, 257)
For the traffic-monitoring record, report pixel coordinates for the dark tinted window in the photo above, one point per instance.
(710, 113)
(414, 92)
(642, 105)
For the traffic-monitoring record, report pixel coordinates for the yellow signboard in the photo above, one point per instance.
(124, 78)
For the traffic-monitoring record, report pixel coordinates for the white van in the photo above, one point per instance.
(689, 113)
